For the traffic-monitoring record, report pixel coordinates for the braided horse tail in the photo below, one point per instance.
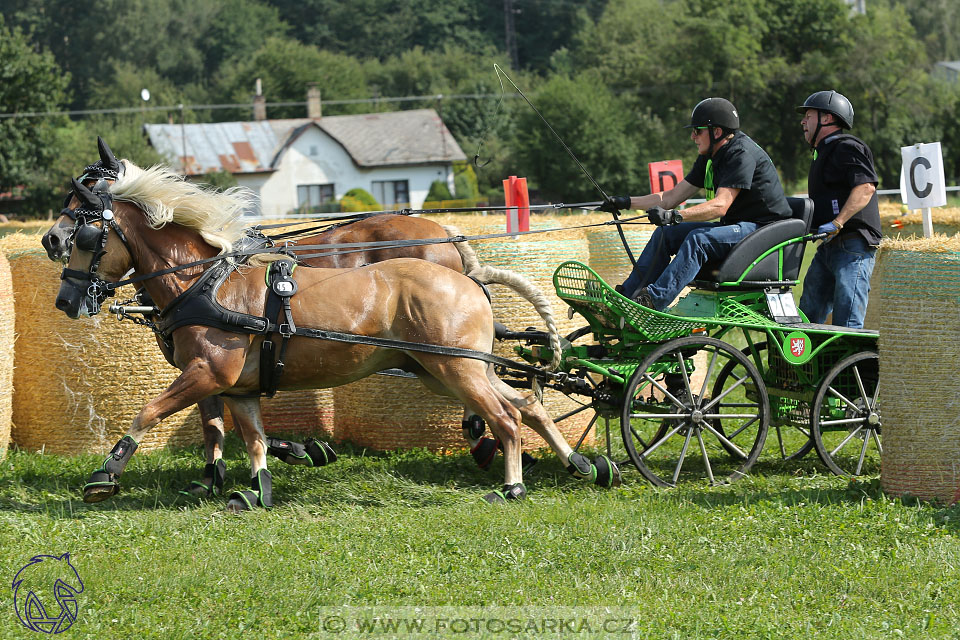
(519, 283)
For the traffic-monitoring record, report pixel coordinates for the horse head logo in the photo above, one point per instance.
(46, 580)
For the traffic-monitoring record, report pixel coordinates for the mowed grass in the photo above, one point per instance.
(788, 552)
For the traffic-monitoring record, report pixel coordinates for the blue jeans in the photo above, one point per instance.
(838, 280)
(693, 244)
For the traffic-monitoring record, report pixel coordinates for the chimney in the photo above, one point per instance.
(259, 103)
(314, 108)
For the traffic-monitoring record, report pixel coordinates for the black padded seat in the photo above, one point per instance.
(765, 273)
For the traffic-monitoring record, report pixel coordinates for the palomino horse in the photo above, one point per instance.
(380, 228)
(402, 313)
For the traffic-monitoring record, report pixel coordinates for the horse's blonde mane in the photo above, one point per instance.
(166, 197)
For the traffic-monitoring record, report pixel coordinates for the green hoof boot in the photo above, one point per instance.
(608, 474)
(312, 453)
(510, 492)
(260, 494)
(212, 484)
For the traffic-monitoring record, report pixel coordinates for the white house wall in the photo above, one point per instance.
(315, 158)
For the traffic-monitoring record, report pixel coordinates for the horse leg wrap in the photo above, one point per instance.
(580, 467)
(259, 495)
(608, 474)
(509, 492)
(484, 452)
(526, 460)
(217, 472)
(102, 483)
(473, 428)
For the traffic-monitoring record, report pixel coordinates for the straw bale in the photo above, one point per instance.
(890, 211)
(303, 411)
(918, 288)
(78, 384)
(6, 353)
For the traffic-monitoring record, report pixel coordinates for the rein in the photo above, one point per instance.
(351, 247)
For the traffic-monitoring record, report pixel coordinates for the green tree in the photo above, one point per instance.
(285, 68)
(593, 123)
(29, 82)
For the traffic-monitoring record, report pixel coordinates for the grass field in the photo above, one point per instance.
(788, 552)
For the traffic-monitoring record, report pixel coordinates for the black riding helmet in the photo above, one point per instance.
(830, 102)
(715, 112)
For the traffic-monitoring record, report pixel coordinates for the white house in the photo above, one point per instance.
(301, 164)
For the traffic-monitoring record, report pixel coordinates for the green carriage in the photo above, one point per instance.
(696, 388)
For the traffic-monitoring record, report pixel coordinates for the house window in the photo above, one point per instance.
(389, 192)
(311, 197)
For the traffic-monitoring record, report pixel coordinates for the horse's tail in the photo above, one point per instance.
(523, 286)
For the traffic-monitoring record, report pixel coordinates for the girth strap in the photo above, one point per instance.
(282, 287)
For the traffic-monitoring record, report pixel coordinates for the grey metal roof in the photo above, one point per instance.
(371, 140)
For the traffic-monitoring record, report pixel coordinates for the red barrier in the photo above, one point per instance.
(517, 197)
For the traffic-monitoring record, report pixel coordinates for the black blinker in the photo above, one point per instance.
(88, 238)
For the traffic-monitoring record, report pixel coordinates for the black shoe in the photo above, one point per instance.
(644, 299)
(619, 289)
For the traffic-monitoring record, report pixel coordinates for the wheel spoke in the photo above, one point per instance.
(706, 458)
(709, 374)
(659, 416)
(724, 394)
(749, 422)
(844, 399)
(724, 440)
(664, 391)
(840, 421)
(876, 436)
(844, 442)
(656, 445)
(863, 392)
(686, 378)
(583, 436)
(683, 454)
(863, 452)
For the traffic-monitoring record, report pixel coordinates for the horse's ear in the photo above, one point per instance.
(106, 155)
(87, 199)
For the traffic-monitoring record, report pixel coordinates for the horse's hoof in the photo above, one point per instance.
(312, 453)
(510, 492)
(100, 491)
(237, 506)
(608, 474)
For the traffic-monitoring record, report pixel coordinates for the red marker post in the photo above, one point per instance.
(518, 200)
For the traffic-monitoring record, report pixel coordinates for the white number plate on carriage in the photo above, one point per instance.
(782, 307)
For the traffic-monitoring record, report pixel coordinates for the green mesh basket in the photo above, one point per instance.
(579, 286)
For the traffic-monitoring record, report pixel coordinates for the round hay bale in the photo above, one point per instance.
(304, 411)
(607, 255)
(389, 412)
(7, 326)
(919, 286)
(78, 384)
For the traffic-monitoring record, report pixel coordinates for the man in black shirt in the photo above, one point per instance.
(742, 189)
(843, 185)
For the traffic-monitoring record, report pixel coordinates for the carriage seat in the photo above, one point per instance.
(766, 273)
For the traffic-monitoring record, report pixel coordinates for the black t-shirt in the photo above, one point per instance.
(742, 164)
(843, 162)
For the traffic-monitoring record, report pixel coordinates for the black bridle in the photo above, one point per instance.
(96, 206)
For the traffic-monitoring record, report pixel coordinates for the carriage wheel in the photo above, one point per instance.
(674, 400)
(794, 441)
(846, 417)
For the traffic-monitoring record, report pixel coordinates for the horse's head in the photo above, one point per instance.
(99, 253)
(97, 176)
